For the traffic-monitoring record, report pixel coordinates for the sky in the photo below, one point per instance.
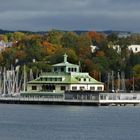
(44, 15)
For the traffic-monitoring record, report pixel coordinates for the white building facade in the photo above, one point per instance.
(134, 48)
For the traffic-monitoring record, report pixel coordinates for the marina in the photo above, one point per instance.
(64, 85)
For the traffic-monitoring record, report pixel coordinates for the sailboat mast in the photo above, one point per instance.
(118, 81)
(112, 81)
(25, 76)
(4, 81)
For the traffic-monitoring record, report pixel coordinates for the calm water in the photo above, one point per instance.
(36, 122)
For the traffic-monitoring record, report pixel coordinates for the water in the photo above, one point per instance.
(36, 122)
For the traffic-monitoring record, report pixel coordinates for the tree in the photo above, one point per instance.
(17, 36)
(96, 38)
(54, 37)
(69, 40)
(4, 38)
(48, 48)
(136, 70)
(82, 48)
(113, 37)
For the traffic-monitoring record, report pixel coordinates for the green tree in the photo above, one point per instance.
(136, 70)
(69, 40)
(54, 37)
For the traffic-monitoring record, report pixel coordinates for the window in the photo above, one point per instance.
(48, 87)
(84, 79)
(99, 88)
(59, 79)
(34, 88)
(63, 88)
(82, 88)
(74, 88)
(92, 88)
(53, 87)
(55, 69)
(62, 69)
(79, 79)
(136, 49)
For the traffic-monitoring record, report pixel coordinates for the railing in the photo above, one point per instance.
(41, 99)
(104, 98)
(119, 96)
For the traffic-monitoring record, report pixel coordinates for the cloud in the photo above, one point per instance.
(70, 14)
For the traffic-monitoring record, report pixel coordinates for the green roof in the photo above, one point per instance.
(64, 78)
(65, 64)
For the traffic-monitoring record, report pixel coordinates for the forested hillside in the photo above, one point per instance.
(40, 51)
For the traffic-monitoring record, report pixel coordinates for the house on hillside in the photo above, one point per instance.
(134, 48)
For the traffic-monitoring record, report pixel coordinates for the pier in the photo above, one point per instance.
(104, 99)
(51, 101)
(121, 99)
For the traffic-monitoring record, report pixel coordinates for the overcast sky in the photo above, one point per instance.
(42, 15)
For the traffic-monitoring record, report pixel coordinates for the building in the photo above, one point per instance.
(93, 48)
(4, 44)
(64, 77)
(134, 48)
(117, 48)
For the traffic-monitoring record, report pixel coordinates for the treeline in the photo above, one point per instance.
(40, 51)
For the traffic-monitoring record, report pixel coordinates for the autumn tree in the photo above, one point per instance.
(54, 37)
(82, 48)
(69, 40)
(96, 37)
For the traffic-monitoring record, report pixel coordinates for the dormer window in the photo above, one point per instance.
(84, 79)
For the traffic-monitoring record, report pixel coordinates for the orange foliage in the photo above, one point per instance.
(48, 48)
(20, 54)
(84, 52)
(100, 54)
(95, 74)
(96, 36)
